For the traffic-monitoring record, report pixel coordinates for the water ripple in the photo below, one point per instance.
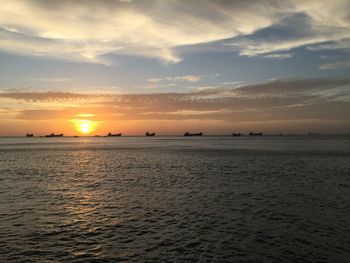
(98, 202)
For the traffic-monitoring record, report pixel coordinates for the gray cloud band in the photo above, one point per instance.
(275, 100)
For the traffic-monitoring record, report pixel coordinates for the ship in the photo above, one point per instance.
(313, 134)
(54, 135)
(256, 134)
(29, 135)
(193, 134)
(150, 134)
(236, 134)
(113, 134)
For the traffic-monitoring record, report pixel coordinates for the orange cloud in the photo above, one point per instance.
(283, 101)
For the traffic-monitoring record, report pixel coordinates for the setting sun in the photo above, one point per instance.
(84, 126)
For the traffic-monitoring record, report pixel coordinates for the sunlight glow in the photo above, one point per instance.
(84, 126)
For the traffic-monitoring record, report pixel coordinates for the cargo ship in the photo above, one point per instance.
(256, 134)
(193, 134)
(114, 134)
(54, 135)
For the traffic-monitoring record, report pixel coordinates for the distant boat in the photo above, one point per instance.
(193, 134)
(29, 135)
(75, 136)
(114, 135)
(256, 134)
(97, 135)
(313, 134)
(54, 135)
(236, 134)
(150, 134)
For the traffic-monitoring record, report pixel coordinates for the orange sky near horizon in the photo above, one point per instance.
(133, 128)
(288, 107)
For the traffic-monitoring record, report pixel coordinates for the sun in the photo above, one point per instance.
(84, 126)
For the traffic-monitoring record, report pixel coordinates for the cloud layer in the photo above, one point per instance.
(336, 65)
(280, 100)
(88, 30)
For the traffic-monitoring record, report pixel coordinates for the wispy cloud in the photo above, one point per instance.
(333, 45)
(88, 30)
(336, 65)
(252, 48)
(189, 78)
(278, 56)
(45, 96)
(316, 25)
(322, 99)
(232, 83)
(184, 78)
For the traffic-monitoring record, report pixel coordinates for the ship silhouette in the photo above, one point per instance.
(236, 134)
(193, 134)
(54, 135)
(150, 134)
(113, 134)
(29, 135)
(255, 133)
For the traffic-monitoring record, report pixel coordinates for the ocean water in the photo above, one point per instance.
(175, 199)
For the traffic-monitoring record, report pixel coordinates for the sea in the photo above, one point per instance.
(175, 199)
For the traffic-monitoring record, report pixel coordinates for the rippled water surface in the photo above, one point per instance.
(166, 199)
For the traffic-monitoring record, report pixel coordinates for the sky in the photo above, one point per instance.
(170, 66)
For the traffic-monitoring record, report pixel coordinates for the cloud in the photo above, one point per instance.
(252, 48)
(189, 78)
(155, 80)
(89, 30)
(290, 87)
(279, 56)
(172, 81)
(184, 78)
(333, 45)
(278, 100)
(336, 65)
(45, 96)
(316, 25)
(86, 30)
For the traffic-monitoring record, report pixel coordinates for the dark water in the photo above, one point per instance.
(210, 199)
